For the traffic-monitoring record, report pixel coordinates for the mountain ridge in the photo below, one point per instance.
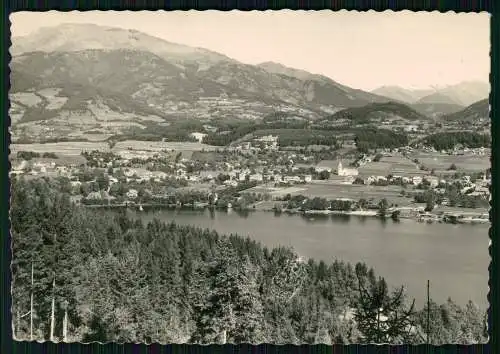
(68, 37)
(402, 94)
(478, 111)
(463, 93)
(142, 84)
(85, 78)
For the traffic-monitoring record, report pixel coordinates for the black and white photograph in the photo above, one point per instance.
(229, 177)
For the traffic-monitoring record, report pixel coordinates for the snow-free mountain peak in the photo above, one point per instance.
(70, 37)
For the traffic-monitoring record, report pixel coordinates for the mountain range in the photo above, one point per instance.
(75, 80)
(464, 93)
(477, 112)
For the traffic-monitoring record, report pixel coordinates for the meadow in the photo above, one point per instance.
(134, 148)
(332, 190)
(391, 165)
(463, 163)
(356, 192)
(160, 145)
(69, 148)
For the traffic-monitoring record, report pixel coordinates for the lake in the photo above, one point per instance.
(454, 258)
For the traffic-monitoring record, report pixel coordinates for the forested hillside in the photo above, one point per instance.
(82, 275)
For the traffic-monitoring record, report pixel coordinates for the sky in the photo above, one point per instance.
(364, 50)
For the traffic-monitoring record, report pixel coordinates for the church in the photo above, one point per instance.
(341, 171)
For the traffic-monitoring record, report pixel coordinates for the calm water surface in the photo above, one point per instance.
(453, 257)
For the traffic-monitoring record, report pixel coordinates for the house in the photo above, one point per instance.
(268, 138)
(370, 179)
(132, 194)
(180, 172)
(158, 175)
(320, 169)
(129, 172)
(416, 180)
(198, 136)
(342, 171)
(325, 165)
(433, 181)
(23, 165)
(231, 183)
(208, 175)
(257, 177)
(94, 196)
(411, 128)
(75, 184)
(291, 179)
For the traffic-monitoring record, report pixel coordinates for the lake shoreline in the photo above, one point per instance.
(424, 218)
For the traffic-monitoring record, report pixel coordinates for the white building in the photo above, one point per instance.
(341, 171)
(417, 180)
(129, 172)
(290, 179)
(132, 193)
(257, 177)
(231, 183)
(198, 136)
(433, 181)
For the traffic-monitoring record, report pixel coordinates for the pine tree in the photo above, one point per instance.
(217, 318)
(248, 308)
(383, 317)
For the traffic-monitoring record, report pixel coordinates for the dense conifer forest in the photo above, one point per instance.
(86, 275)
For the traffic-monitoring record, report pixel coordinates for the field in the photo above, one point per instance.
(71, 148)
(448, 209)
(465, 163)
(159, 146)
(74, 148)
(277, 191)
(395, 165)
(331, 191)
(356, 192)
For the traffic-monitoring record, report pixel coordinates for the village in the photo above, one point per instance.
(415, 182)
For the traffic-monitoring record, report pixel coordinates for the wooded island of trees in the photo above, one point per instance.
(83, 275)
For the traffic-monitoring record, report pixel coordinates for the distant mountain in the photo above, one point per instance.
(438, 101)
(438, 98)
(401, 94)
(73, 37)
(75, 79)
(435, 110)
(475, 113)
(375, 113)
(355, 96)
(465, 93)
